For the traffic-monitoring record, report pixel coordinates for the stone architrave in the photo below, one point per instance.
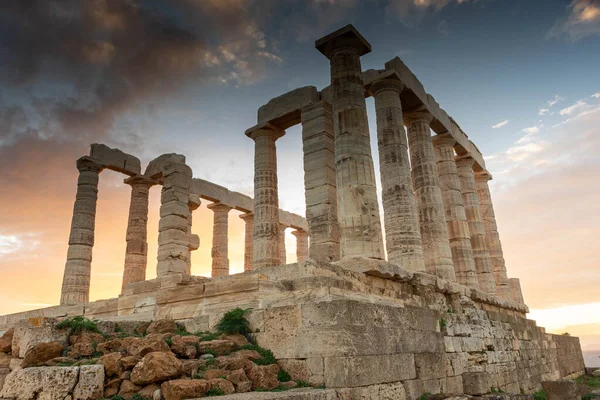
(136, 253)
(174, 237)
(248, 240)
(491, 235)
(194, 203)
(281, 244)
(301, 245)
(76, 279)
(516, 294)
(402, 232)
(266, 197)
(456, 217)
(320, 182)
(220, 258)
(358, 208)
(432, 220)
(483, 262)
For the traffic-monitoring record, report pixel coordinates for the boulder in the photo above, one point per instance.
(6, 341)
(31, 331)
(5, 360)
(40, 353)
(263, 377)
(128, 389)
(112, 388)
(91, 383)
(190, 367)
(3, 374)
(112, 364)
(247, 354)
(22, 384)
(596, 372)
(163, 326)
(148, 346)
(147, 392)
(238, 339)
(15, 364)
(156, 367)
(84, 344)
(60, 360)
(223, 384)
(130, 361)
(42, 383)
(564, 390)
(58, 382)
(218, 346)
(214, 373)
(476, 382)
(240, 381)
(185, 346)
(234, 362)
(184, 389)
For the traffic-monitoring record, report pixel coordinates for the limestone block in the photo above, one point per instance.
(58, 382)
(91, 383)
(115, 159)
(284, 110)
(32, 331)
(430, 365)
(413, 388)
(388, 391)
(476, 383)
(22, 384)
(368, 370)
(564, 390)
(155, 167)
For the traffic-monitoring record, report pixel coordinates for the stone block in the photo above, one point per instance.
(115, 159)
(155, 167)
(386, 391)
(476, 383)
(284, 110)
(430, 365)
(32, 331)
(564, 390)
(368, 370)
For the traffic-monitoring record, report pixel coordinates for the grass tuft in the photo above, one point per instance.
(235, 321)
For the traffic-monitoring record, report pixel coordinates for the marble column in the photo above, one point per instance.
(301, 245)
(320, 182)
(248, 240)
(174, 237)
(136, 253)
(483, 262)
(456, 217)
(432, 220)
(220, 246)
(491, 235)
(281, 245)
(194, 203)
(516, 294)
(76, 279)
(266, 198)
(401, 218)
(358, 209)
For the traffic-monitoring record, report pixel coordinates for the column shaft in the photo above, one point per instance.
(194, 203)
(434, 231)
(402, 232)
(320, 182)
(516, 294)
(220, 245)
(248, 240)
(136, 253)
(483, 262)
(456, 217)
(281, 245)
(76, 279)
(266, 198)
(301, 245)
(492, 236)
(358, 209)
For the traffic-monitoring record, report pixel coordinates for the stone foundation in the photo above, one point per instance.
(359, 323)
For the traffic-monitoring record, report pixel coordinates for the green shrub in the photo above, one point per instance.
(207, 336)
(541, 395)
(303, 384)
(215, 392)
(234, 321)
(267, 355)
(64, 364)
(283, 376)
(443, 323)
(169, 341)
(198, 375)
(424, 396)
(78, 324)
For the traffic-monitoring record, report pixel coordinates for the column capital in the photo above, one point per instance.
(265, 129)
(219, 207)
(387, 83)
(249, 216)
(444, 139)
(300, 233)
(420, 113)
(464, 161)
(86, 163)
(140, 180)
(346, 37)
(483, 176)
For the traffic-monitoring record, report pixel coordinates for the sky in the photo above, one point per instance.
(188, 76)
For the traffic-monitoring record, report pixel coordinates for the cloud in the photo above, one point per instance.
(582, 19)
(543, 111)
(556, 99)
(596, 95)
(580, 105)
(500, 124)
(531, 130)
(411, 12)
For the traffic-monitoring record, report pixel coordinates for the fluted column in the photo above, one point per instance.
(281, 245)
(456, 217)
(491, 234)
(136, 253)
(516, 294)
(320, 182)
(194, 203)
(266, 198)
(220, 246)
(76, 279)
(432, 221)
(402, 233)
(483, 262)
(358, 209)
(301, 245)
(248, 240)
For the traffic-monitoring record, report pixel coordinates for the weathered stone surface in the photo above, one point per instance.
(220, 258)
(112, 364)
(128, 389)
(162, 326)
(40, 353)
(368, 370)
(476, 382)
(91, 383)
(115, 159)
(29, 332)
(185, 346)
(6, 341)
(156, 367)
(84, 344)
(218, 346)
(263, 376)
(223, 384)
(564, 390)
(184, 389)
(156, 167)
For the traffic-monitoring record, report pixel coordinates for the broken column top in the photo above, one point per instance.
(155, 167)
(346, 36)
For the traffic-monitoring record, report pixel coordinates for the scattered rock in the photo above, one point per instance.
(185, 346)
(214, 373)
(564, 390)
(190, 367)
(248, 354)
(264, 376)
(58, 382)
(60, 360)
(40, 353)
(148, 391)
(4, 360)
(206, 356)
(156, 367)
(15, 364)
(130, 361)
(218, 346)
(128, 389)
(84, 344)
(112, 388)
(240, 380)
(238, 339)
(234, 362)
(596, 372)
(91, 383)
(6, 341)
(162, 326)
(184, 389)
(223, 384)
(288, 385)
(112, 364)
(31, 331)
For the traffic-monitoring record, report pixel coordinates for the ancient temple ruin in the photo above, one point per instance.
(440, 315)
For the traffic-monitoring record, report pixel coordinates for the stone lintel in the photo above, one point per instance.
(155, 167)
(483, 176)
(265, 128)
(115, 159)
(464, 160)
(284, 111)
(346, 36)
